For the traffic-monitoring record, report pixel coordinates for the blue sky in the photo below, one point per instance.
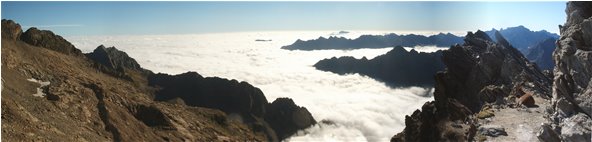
(134, 18)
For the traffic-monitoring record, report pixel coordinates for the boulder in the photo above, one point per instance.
(492, 130)
(526, 100)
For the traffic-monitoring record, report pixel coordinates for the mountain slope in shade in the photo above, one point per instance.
(542, 54)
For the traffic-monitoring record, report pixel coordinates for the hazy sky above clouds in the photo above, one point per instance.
(135, 18)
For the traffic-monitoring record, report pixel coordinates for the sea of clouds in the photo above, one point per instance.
(353, 107)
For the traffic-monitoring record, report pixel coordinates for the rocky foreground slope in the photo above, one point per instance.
(52, 91)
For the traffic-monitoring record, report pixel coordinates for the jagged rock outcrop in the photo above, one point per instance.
(375, 41)
(49, 40)
(570, 115)
(117, 63)
(397, 68)
(542, 53)
(113, 58)
(11, 30)
(476, 71)
(286, 118)
(86, 103)
(234, 97)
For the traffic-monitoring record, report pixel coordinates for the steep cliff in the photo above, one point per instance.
(570, 115)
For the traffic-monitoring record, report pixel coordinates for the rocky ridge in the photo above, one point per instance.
(375, 41)
(570, 114)
(107, 96)
(397, 68)
(479, 73)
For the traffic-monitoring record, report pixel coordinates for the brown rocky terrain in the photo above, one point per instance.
(106, 96)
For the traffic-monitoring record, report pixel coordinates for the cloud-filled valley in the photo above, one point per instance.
(352, 107)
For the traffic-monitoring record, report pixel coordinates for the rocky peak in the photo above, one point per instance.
(11, 30)
(286, 118)
(113, 58)
(479, 38)
(49, 40)
(570, 117)
(501, 40)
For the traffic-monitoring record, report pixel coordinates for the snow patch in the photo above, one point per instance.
(39, 90)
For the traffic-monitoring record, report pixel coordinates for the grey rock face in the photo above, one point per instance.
(572, 95)
(576, 128)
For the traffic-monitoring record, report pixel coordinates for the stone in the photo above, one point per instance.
(576, 128)
(547, 134)
(526, 100)
(492, 131)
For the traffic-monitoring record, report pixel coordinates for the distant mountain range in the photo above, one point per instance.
(523, 38)
(520, 37)
(375, 41)
(399, 68)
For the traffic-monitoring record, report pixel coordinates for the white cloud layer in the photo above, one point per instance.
(360, 108)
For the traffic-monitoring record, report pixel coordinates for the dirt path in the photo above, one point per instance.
(521, 124)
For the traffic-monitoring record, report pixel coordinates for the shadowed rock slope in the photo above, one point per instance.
(542, 54)
(570, 115)
(107, 96)
(397, 68)
(479, 72)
